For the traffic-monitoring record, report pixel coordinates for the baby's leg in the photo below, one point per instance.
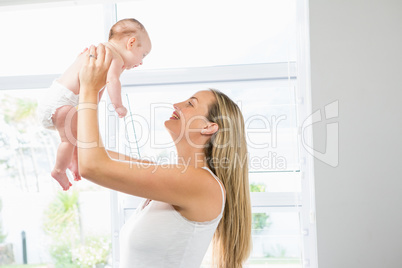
(65, 121)
(74, 165)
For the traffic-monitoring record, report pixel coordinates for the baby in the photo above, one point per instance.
(129, 43)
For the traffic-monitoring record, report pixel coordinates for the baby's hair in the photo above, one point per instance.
(125, 27)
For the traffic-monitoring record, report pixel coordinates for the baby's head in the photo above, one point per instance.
(132, 41)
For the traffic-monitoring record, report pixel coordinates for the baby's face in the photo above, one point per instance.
(138, 53)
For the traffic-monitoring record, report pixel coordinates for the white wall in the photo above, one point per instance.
(356, 58)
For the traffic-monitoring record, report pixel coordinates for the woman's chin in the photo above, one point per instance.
(167, 124)
(169, 127)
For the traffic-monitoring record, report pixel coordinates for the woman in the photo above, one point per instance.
(207, 197)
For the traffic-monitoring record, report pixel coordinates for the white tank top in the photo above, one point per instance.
(158, 236)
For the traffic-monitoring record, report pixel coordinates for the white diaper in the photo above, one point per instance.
(56, 97)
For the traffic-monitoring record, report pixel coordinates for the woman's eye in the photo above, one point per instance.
(190, 103)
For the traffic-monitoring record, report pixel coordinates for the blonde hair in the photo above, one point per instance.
(226, 154)
(124, 28)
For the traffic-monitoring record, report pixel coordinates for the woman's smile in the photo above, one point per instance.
(175, 116)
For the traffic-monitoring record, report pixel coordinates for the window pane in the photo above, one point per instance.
(47, 40)
(208, 33)
(275, 181)
(69, 228)
(268, 108)
(276, 241)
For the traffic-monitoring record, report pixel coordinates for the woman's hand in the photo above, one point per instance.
(85, 50)
(93, 73)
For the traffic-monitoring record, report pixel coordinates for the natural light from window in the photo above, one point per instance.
(186, 35)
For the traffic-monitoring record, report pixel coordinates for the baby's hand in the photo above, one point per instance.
(121, 111)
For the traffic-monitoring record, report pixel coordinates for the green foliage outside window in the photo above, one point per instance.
(260, 220)
(23, 143)
(2, 235)
(61, 223)
(254, 187)
(69, 248)
(18, 111)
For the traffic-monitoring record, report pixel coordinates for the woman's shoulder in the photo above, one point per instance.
(222, 186)
(211, 203)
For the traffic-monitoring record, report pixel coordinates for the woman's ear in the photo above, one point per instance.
(210, 129)
(131, 42)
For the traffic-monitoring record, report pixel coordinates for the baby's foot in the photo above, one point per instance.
(61, 178)
(73, 167)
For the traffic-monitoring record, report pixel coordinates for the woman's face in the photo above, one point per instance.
(189, 117)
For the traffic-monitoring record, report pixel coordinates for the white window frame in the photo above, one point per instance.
(303, 203)
(308, 215)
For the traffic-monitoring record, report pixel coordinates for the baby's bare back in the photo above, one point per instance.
(69, 78)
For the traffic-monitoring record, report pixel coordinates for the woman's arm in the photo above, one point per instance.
(180, 185)
(122, 157)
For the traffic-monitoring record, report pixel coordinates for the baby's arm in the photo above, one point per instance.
(114, 87)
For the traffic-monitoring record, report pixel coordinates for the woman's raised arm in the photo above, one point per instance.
(184, 186)
(122, 157)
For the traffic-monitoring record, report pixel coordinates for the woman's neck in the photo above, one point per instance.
(195, 158)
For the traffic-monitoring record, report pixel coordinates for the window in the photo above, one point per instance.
(261, 75)
(274, 170)
(210, 33)
(70, 228)
(37, 36)
(245, 49)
